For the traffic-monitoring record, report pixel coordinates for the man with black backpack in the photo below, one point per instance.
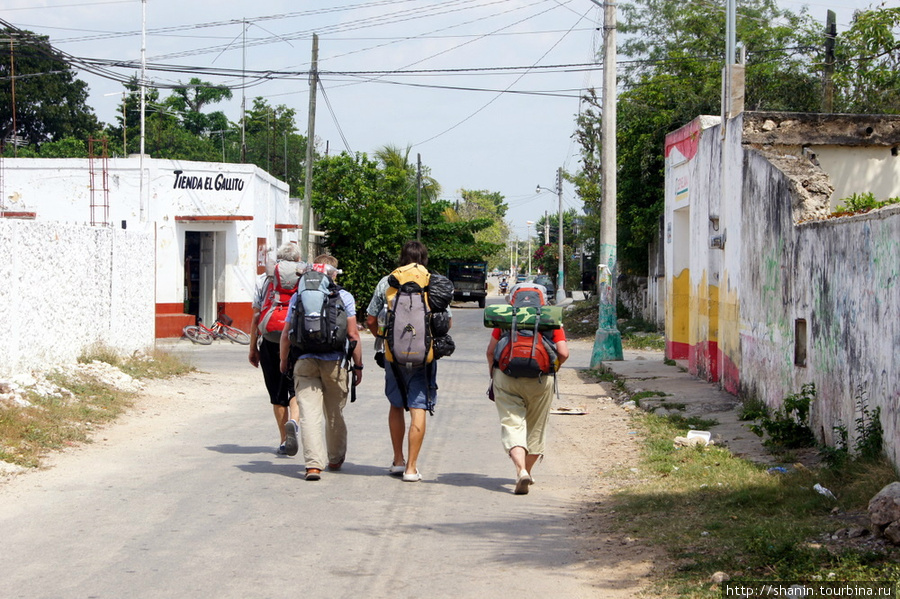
(522, 363)
(404, 317)
(322, 338)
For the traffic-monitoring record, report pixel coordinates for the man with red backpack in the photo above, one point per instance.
(522, 363)
(273, 292)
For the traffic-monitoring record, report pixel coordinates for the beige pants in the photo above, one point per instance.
(321, 387)
(523, 405)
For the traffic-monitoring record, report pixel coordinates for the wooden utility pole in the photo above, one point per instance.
(830, 35)
(419, 197)
(310, 143)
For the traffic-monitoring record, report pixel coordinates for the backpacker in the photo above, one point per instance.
(319, 322)
(408, 336)
(528, 295)
(526, 353)
(274, 310)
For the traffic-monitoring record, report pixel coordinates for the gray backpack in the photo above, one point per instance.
(319, 322)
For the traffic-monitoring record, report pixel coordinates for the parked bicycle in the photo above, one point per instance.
(221, 329)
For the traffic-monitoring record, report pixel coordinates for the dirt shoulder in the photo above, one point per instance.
(603, 450)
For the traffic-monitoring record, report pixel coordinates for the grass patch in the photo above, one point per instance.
(580, 320)
(714, 512)
(637, 397)
(80, 403)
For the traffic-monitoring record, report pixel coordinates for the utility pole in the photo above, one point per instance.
(12, 81)
(546, 228)
(560, 276)
(419, 197)
(143, 104)
(608, 340)
(830, 35)
(310, 142)
(243, 92)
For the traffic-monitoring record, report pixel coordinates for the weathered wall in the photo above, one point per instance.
(66, 287)
(789, 298)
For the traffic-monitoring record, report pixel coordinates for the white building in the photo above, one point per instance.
(212, 222)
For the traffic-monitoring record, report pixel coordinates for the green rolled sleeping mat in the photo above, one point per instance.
(500, 316)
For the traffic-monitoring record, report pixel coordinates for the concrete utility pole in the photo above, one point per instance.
(608, 340)
(310, 142)
(560, 276)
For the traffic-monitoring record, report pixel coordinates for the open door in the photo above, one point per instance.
(203, 267)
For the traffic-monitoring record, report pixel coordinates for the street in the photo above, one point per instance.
(185, 497)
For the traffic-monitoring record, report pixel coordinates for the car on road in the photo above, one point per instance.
(469, 281)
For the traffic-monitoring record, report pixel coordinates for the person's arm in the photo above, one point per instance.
(562, 351)
(490, 355)
(353, 335)
(372, 324)
(284, 348)
(254, 337)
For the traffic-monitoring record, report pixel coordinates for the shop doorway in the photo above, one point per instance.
(203, 267)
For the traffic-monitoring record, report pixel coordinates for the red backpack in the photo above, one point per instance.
(527, 353)
(274, 310)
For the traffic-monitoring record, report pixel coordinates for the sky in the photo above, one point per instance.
(488, 94)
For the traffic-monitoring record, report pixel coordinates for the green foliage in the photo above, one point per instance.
(862, 202)
(867, 63)
(674, 76)
(483, 204)
(50, 102)
(365, 225)
(787, 427)
(546, 259)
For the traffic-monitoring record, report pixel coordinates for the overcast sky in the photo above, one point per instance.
(492, 109)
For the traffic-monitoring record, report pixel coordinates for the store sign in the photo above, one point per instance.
(208, 183)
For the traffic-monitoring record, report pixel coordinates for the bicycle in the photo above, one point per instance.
(221, 329)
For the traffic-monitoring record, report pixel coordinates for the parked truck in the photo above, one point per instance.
(469, 281)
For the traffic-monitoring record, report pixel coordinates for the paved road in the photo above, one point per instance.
(185, 498)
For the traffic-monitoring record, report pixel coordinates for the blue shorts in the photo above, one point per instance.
(417, 383)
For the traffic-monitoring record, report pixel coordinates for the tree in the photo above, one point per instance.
(483, 204)
(50, 102)
(867, 69)
(365, 226)
(189, 101)
(677, 53)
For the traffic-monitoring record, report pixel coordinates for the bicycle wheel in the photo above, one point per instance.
(197, 335)
(236, 335)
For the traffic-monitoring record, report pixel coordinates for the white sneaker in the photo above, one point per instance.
(523, 482)
(397, 469)
(412, 478)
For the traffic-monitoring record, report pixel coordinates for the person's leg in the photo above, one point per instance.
(511, 410)
(334, 381)
(416, 436)
(274, 379)
(537, 414)
(397, 426)
(396, 417)
(281, 416)
(308, 383)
